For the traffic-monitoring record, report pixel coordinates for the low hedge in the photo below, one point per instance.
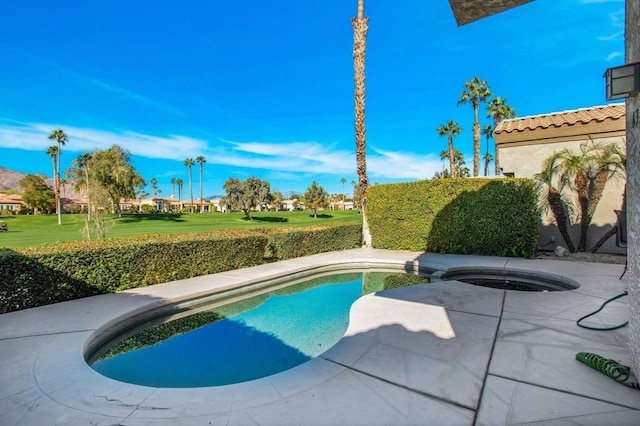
(467, 216)
(53, 273)
(41, 275)
(288, 243)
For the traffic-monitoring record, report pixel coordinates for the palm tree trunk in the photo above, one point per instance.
(452, 163)
(581, 185)
(610, 233)
(496, 121)
(54, 162)
(596, 192)
(201, 201)
(360, 27)
(86, 176)
(558, 210)
(190, 191)
(59, 201)
(476, 149)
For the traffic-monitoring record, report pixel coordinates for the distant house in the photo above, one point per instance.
(523, 143)
(163, 204)
(342, 205)
(216, 206)
(11, 202)
(291, 205)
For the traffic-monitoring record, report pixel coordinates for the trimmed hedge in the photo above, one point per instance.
(41, 275)
(53, 273)
(467, 216)
(288, 243)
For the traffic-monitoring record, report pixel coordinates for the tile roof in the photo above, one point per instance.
(565, 118)
(10, 198)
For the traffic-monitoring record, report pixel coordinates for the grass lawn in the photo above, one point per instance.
(33, 230)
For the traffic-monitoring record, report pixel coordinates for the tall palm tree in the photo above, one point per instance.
(498, 109)
(82, 161)
(475, 91)
(180, 182)
(201, 160)
(61, 138)
(450, 130)
(190, 163)
(487, 131)
(488, 158)
(52, 152)
(343, 181)
(173, 187)
(444, 155)
(360, 26)
(154, 186)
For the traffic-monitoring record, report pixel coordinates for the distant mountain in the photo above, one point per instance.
(10, 180)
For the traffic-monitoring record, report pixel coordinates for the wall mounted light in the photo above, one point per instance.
(622, 81)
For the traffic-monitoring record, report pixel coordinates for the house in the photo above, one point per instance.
(523, 143)
(342, 205)
(11, 202)
(291, 205)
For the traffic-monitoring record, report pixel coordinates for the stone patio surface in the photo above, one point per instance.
(445, 353)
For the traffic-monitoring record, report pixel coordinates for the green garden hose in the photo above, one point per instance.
(618, 372)
(615, 327)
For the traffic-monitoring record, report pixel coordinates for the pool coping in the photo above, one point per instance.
(44, 373)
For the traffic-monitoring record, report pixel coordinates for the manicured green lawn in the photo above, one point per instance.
(34, 230)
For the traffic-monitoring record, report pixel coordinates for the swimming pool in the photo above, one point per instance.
(255, 337)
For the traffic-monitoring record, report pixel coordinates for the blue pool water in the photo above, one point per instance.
(278, 331)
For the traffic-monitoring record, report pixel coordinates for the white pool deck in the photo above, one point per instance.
(446, 353)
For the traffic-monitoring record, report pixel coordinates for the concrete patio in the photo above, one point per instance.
(441, 353)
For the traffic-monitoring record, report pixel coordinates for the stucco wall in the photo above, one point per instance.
(632, 40)
(526, 161)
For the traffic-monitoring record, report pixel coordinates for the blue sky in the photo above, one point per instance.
(265, 88)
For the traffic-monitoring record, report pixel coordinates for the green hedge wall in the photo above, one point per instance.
(54, 273)
(287, 243)
(466, 216)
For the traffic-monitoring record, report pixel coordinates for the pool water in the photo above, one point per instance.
(246, 340)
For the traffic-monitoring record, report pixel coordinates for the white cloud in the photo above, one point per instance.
(402, 165)
(288, 158)
(611, 56)
(613, 37)
(33, 137)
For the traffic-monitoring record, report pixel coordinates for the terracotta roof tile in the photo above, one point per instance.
(565, 118)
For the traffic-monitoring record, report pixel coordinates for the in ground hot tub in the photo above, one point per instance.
(507, 279)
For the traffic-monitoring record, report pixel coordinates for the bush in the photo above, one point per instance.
(288, 243)
(467, 216)
(54, 273)
(148, 209)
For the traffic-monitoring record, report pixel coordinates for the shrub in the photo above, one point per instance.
(48, 274)
(287, 243)
(467, 216)
(148, 209)
(54, 273)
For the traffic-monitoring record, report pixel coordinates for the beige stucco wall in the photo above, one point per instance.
(526, 160)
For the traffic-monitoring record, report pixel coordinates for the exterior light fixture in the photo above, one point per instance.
(622, 81)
